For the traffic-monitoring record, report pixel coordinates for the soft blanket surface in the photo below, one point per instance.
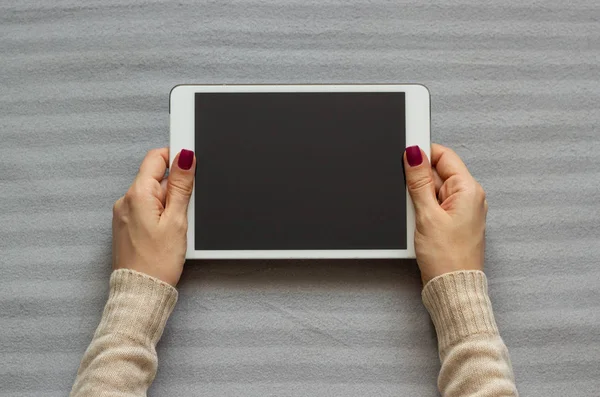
(84, 92)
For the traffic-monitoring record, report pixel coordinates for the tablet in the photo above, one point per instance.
(299, 171)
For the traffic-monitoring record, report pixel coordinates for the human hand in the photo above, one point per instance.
(450, 212)
(150, 221)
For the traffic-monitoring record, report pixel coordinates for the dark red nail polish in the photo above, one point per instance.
(186, 159)
(413, 156)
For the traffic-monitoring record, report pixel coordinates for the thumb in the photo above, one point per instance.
(180, 183)
(419, 179)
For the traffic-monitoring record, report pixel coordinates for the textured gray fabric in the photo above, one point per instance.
(84, 94)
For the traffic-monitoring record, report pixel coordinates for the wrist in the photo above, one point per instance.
(164, 274)
(459, 306)
(138, 306)
(428, 276)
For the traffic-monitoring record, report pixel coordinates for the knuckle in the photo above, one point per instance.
(138, 190)
(180, 223)
(480, 192)
(129, 197)
(180, 188)
(134, 194)
(117, 205)
(475, 190)
(420, 183)
(150, 154)
(449, 150)
(153, 152)
(120, 212)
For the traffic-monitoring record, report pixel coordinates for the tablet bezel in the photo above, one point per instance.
(182, 136)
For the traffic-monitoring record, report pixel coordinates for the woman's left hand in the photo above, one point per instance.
(150, 221)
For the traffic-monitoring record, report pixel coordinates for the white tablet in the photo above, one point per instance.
(299, 171)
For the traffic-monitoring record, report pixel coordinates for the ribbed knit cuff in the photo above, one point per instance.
(459, 306)
(138, 306)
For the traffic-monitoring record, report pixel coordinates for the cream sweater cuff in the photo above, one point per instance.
(138, 306)
(459, 306)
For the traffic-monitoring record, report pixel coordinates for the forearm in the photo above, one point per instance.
(475, 361)
(121, 359)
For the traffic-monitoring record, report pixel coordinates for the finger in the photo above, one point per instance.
(437, 180)
(155, 164)
(446, 162)
(163, 190)
(117, 205)
(419, 179)
(180, 184)
(449, 188)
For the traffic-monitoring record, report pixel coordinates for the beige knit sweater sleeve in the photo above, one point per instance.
(474, 358)
(121, 360)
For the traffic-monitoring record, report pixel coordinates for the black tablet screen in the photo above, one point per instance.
(295, 171)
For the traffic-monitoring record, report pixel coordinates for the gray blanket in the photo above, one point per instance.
(84, 94)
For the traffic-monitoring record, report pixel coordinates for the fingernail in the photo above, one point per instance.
(413, 156)
(186, 159)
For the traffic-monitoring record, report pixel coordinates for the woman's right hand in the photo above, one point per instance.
(450, 212)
